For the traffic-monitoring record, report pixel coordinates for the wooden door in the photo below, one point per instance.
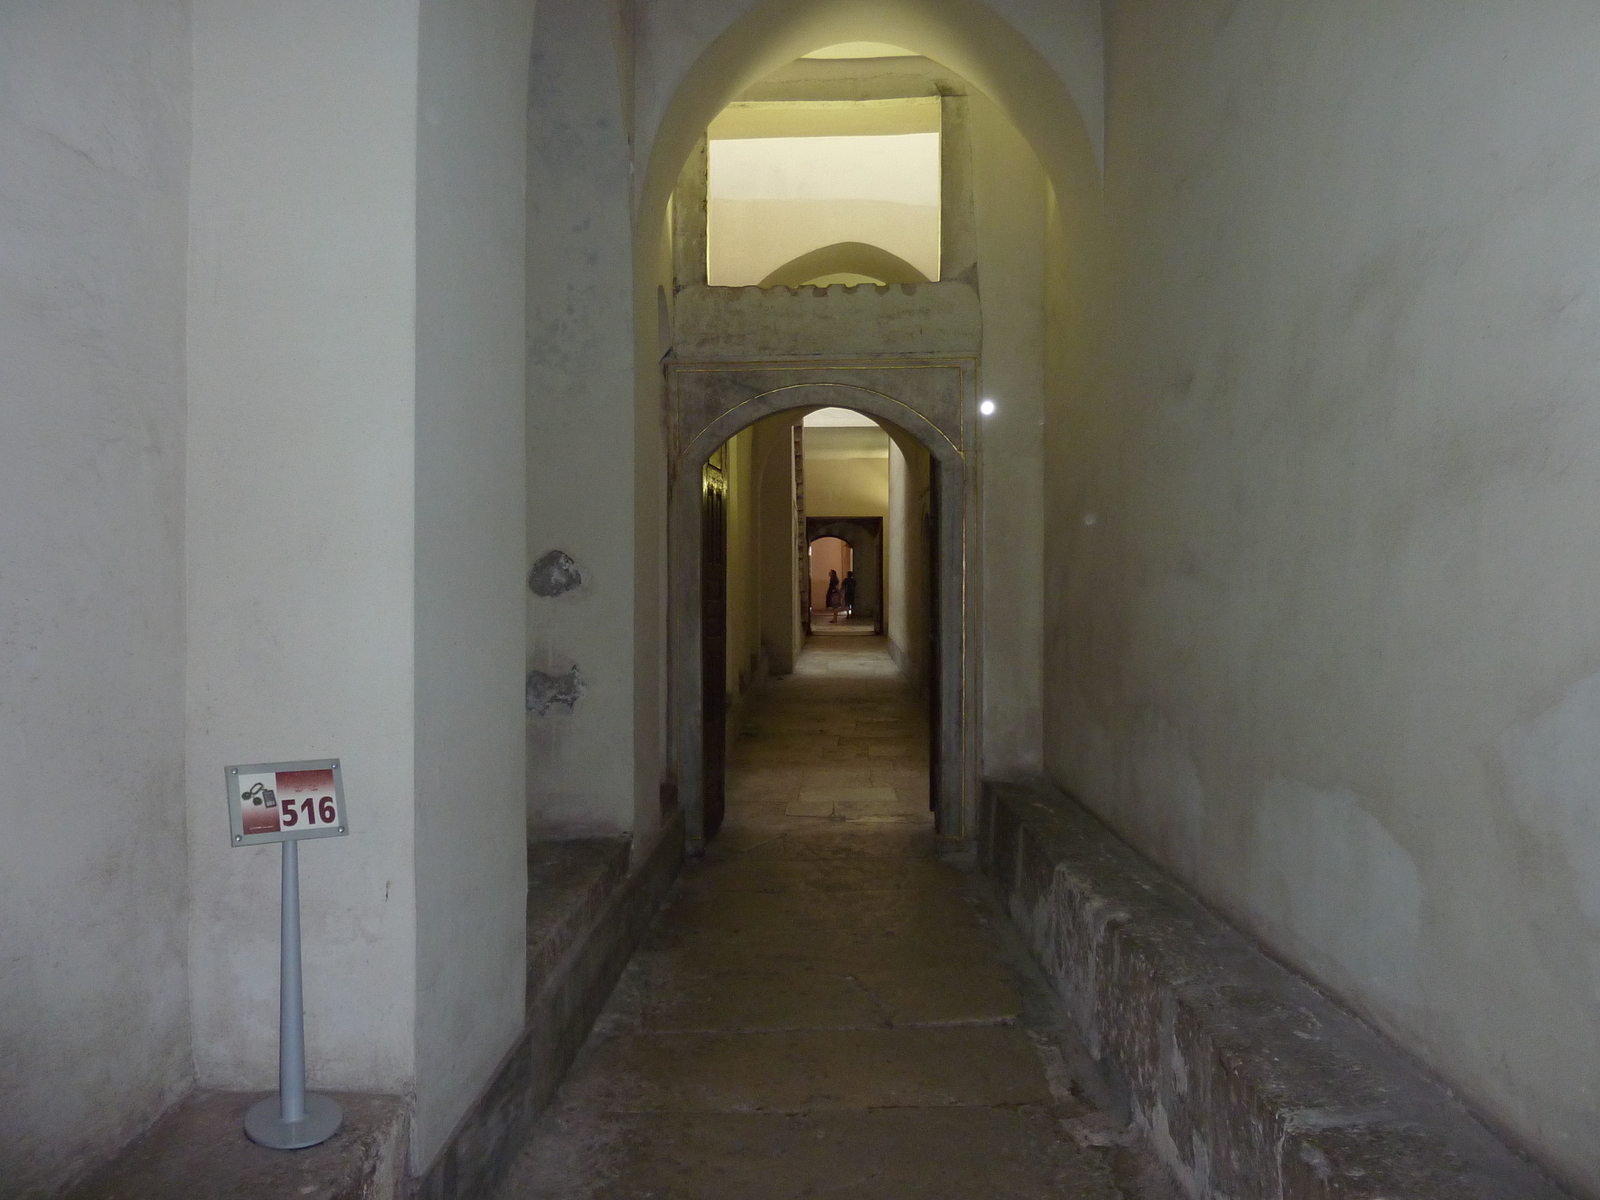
(802, 540)
(714, 640)
(930, 557)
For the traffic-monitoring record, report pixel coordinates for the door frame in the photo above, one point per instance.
(931, 401)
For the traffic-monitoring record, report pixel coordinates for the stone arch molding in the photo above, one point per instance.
(928, 403)
(857, 258)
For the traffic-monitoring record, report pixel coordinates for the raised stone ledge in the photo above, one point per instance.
(569, 882)
(198, 1151)
(1247, 1081)
(717, 323)
(590, 903)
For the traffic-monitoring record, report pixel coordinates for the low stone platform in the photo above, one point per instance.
(198, 1151)
(569, 882)
(1247, 1081)
(590, 904)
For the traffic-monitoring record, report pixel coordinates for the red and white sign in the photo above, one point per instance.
(277, 802)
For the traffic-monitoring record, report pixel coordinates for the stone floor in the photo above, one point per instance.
(832, 1005)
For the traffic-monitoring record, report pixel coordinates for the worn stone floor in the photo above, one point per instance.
(832, 1005)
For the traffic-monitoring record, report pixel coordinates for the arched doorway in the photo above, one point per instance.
(991, 57)
(864, 538)
(934, 409)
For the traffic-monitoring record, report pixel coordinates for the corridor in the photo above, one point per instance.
(829, 1006)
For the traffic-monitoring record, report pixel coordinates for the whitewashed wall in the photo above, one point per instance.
(1009, 192)
(301, 536)
(581, 495)
(471, 564)
(1326, 555)
(94, 161)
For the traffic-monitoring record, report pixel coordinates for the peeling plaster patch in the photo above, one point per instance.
(1328, 873)
(554, 574)
(1552, 766)
(545, 689)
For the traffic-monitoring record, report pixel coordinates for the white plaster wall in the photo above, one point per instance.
(581, 420)
(1324, 547)
(744, 612)
(1009, 191)
(471, 608)
(776, 528)
(847, 472)
(94, 160)
(905, 566)
(301, 534)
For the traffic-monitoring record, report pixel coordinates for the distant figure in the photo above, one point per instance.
(834, 598)
(847, 591)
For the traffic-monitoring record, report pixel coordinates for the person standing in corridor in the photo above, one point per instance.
(847, 592)
(834, 597)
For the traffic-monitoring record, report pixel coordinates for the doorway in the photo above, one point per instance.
(714, 638)
(929, 406)
(862, 554)
(828, 560)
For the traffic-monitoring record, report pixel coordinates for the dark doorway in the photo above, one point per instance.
(802, 543)
(865, 537)
(930, 556)
(714, 638)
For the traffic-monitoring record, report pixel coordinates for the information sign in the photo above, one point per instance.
(284, 802)
(289, 802)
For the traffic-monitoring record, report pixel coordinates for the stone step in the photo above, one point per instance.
(198, 1151)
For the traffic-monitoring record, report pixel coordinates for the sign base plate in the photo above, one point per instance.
(266, 1126)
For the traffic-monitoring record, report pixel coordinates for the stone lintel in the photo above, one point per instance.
(716, 323)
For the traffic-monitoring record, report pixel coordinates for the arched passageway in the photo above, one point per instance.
(711, 406)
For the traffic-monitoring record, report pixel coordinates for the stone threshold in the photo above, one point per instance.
(198, 1150)
(589, 908)
(1247, 1081)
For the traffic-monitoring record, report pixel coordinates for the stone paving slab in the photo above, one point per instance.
(892, 1154)
(760, 1000)
(944, 994)
(815, 1069)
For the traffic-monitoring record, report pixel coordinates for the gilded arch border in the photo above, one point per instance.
(931, 401)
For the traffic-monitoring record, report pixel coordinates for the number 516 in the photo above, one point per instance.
(312, 809)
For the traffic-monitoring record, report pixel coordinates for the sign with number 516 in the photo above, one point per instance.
(287, 801)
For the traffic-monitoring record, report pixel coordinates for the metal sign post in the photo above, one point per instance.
(289, 803)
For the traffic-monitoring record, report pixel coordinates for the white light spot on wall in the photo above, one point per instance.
(987, 408)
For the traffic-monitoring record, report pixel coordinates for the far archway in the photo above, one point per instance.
(864, 536)
(841, 258)
(928, 403)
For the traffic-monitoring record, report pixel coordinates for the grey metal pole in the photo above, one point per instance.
(291, 998)
(292, 1120)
